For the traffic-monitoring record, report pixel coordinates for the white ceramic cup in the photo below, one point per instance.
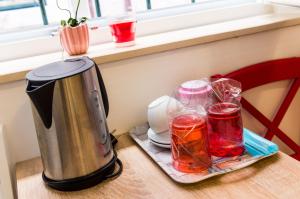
(158, 113)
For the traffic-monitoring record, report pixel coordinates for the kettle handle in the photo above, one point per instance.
(103, 90)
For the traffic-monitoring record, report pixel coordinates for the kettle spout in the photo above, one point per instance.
(41, 95)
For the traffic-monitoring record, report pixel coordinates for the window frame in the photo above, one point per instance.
(286, 2)
(45, 40)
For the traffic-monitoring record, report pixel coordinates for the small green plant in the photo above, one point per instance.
(73, 22)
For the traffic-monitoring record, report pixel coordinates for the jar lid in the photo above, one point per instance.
(194, 87)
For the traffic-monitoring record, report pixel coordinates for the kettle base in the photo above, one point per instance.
(83, 182)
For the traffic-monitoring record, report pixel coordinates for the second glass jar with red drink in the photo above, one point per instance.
(225, 129)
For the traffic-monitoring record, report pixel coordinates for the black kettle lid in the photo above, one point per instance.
(60, 69)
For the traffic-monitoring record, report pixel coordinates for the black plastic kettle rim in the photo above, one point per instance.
(60, 69)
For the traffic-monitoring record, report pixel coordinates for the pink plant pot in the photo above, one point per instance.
(75, 40)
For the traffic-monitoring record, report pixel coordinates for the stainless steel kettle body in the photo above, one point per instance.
(70, 121)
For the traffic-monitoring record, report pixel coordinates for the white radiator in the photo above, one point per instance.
(6, 191)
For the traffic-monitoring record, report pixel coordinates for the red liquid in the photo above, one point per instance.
(225, 130)
(190, 144)
(123, 31)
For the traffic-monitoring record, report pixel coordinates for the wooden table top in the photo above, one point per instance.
(274, 177)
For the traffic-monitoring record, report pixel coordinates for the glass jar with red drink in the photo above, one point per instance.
(189, 143)
(225, 129)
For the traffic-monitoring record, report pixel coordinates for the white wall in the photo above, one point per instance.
(6, 191)
(133, 83)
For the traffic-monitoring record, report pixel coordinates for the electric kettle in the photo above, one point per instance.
(69, 106)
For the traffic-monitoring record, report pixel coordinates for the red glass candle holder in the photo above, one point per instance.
(123, 32)
(190, 143)
(225, 130)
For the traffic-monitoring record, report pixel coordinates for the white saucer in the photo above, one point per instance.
(167, 146)
(160, 138)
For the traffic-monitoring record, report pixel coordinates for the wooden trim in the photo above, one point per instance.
(14, 70)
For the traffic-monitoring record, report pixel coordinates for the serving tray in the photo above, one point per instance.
(162, 157)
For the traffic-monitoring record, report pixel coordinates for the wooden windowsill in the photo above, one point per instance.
(14, 70)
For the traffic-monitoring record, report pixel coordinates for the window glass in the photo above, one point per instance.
(19, 15)
(28, 13)
(156, 4)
